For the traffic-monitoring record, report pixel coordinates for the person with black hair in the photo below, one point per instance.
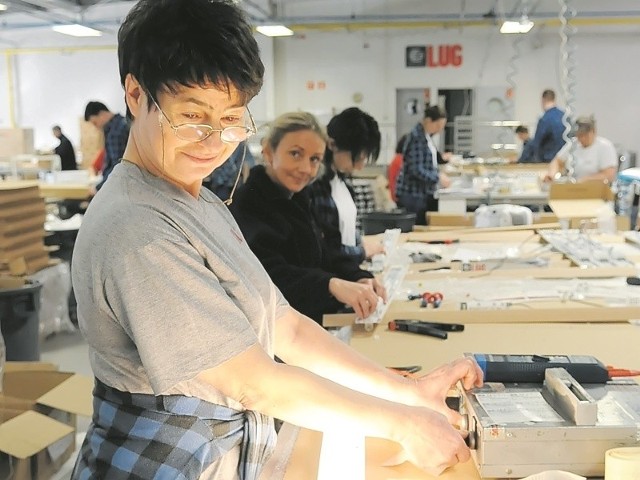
(64, 150)
(354, 139)
(419, 177)
(527, 155)
(181, 319)
(116, 134)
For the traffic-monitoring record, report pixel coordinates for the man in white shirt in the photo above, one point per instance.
(594, 157)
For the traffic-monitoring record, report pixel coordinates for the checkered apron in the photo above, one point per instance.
(140, 436)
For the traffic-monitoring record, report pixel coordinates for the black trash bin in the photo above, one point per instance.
(20, 321)
(378, 222)
(65, 241)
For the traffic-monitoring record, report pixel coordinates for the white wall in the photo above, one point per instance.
(54, 87)
(372, 63)
(49, 93)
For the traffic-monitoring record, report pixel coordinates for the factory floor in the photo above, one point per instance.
(70, 352)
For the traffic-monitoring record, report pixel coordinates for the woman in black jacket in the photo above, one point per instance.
(273, 212)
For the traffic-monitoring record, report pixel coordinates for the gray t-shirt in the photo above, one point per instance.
(167, 287)
(601, 154)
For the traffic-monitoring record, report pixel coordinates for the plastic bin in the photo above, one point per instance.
(378, 222)
(20, 321)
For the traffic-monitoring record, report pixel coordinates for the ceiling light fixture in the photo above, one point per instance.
(274, 30)
(517, 26)
(3, 7)
(77, 30)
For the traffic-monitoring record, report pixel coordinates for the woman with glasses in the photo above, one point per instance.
(181, 319)
(273, 212)
(354, 138)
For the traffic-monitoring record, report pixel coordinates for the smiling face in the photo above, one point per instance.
(154, 145)
(295, 160)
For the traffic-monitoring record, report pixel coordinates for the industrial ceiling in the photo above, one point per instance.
(341, 14)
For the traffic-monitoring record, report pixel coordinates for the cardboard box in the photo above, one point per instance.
(437, 219)
(91, 142)
(576, 214)
(16, 191)
(38, 410)
(15, 141)
(580, 191)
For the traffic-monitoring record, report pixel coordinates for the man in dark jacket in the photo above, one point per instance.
(64, 150)
(548, 139)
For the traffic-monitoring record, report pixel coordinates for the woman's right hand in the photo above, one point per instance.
(372, 246)
(430, 442)
(359, 296)
(445, 180)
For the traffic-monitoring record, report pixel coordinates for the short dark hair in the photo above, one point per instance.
(56, 127)
(435, 112)
(355, 131)
(94, 108)
(522, 129)
(549, 95)
(167, 43)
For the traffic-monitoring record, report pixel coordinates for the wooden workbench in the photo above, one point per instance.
(614, 344)
(65, 191)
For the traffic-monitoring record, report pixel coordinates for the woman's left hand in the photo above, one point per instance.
(433, 387)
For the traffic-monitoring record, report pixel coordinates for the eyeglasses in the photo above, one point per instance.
(192, 132)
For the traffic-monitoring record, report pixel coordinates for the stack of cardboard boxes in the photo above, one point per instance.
(22, 215)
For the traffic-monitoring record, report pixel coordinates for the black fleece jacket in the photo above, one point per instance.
(283, 234)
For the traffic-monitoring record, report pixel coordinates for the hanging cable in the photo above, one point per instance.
(567, 75)
(508, 107)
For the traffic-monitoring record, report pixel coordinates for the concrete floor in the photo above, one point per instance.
(69, 351)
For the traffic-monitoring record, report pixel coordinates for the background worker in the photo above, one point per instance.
(594, 157)
(548, 139)
(527, 154)
(419, 177)
(116, 134)
(64, 150)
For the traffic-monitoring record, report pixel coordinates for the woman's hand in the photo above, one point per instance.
(430, 442)
(445, 181)
(433, 387)
(361, 296)
(377, 287)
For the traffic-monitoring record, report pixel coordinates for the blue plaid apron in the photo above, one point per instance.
(141, 436)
